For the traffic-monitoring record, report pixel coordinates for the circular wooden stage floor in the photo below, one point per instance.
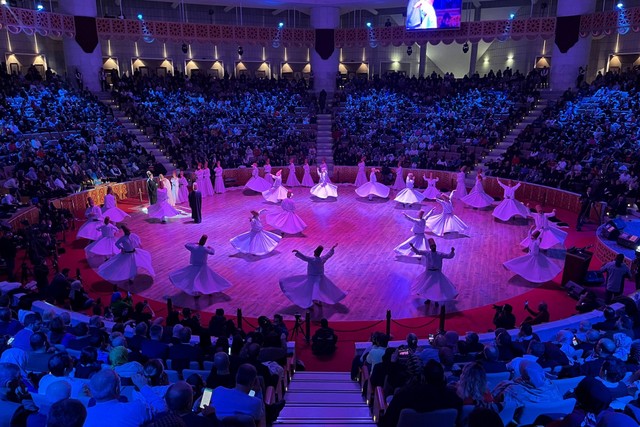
(364, 265)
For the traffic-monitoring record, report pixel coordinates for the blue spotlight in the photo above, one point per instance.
(368, 24)
(512, 15)
(140, 16)
(281, 25)
(620, 5)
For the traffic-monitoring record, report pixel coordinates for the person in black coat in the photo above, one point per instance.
(152, 189)
(195, 203)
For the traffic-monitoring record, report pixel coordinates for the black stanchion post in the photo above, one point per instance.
(389, 322)
(307, 327)
(239, 317)
(443, 312)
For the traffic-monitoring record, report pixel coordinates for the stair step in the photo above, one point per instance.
(322, 376)
(326, 423)
(328, 398)
(322, 413)
(325, 385)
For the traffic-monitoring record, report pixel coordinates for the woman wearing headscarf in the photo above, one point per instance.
(532, 387)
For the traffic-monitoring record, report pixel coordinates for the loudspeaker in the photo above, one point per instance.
(610, 232)
(574, 290)
(594, 278)
(618, 223)
(628, 240)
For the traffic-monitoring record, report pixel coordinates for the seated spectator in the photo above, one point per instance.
(88, 363)
(12, 411)
(324, 340)
(503, 317)
(154, 348)
(151, 386)
(377, 351)
(38, 357)
(612, 375)
(8, 326)
(81, 337)
(234, 401)
(32, 323)
(182, 353)
(179, 399)
(67, 413)
(490, 362)
(109, 410)
(387, 368)
(609, 323)
(119, 361)
(472, 387)
(220, 375)
(525, 336)
(536, 318)
(78, 297)
(587, 302)
(60, 368)
(217, 324)
(532, 387)
(140, 334)
(534, 354)
(592, 364)
(53, 393)
(505, 347)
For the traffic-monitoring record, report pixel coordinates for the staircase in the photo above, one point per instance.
(501, 148)
(324, 399)
(131, 127)
(324, 141)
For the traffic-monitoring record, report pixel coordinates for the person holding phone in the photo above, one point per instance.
(245, 398)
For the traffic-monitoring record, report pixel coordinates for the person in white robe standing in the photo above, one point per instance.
(200, 177)
(167, 185)
(183, 189)
(267, 171)
(288, 220)
(110, 207)
(477, 198)
(307, 180)
(277, 192)
(373, 187)
(509, 206)
(461, 187)
(324, 189)
(446, 221)
(535, 266)
(314, 287)
(399, 183)
(292, 179)
(197, 278)
(125, 265)
(409, 195)
(419, 239)
(256, 241)
(431, 192)
(219, 188)
(162, 209)
(361, 177)
(105, 246)
(206, 177)
(175, 187)
(89, 230)
(432, 284)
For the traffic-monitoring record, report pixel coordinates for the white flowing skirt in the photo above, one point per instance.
(446, 223)
(307, 181)
(208, 187)
(477, 199)
(104, 246)
(256, 242)
(431, 193)
(257, 184)
(288, 222)
(183, 195)
(461, 190)
(219, 187)
(274, 195)
(418, 240)
(198, 280)
(373, 189)
(124, 266)
(323, 191)
(304, 290)
(161, 210)
(292, 180)
(534, 268)
(89, 230)
(361, 178)
(115, 214)
(548, 238)
(509, 208)
(409, 196)
(434, 286)
(399, 183)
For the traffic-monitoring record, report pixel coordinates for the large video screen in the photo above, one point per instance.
(433, 14)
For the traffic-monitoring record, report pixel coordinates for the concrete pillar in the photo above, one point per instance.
(325, 70)
(473, 57)
(89, 64)
(422, 66)
(564, 66)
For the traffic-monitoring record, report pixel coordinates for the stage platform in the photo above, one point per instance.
(364, 265)
(606, 250)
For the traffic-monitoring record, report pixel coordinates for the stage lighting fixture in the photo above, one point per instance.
(281, 25)
(140, 16)
(512, 15)
(368, 24)
(240, 50)
(3, 2)
(409, 50)
(465, 47)
(40, 7)
(620, 5)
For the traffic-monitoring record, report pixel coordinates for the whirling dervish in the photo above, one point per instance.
(313, 287)
(125, 265)
(197, 278)
(287, 220)
(111, 209)
(477, 198)
(307, 180)
(277, 192)
(162, 209)
(432, 284)
(324, 189)
(89, 230)
(373, 187)
(399, 183)
(461, 187)
(409, 195)
(535, 266)
(431, 192)
(550, 234)
(167, 185)
(256, 182)
(256, 241)
(105, 246)
(419, 239)
(292, 179)
(446, 221)
(509, 206)
(361, 177)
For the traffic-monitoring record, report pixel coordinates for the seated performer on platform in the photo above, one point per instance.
(162, 209)
(195, 203)
(361, 177)
(105, 246)
(89, 230)
(419, 239)
(219, 188)
(324, 189)
(534, 266)
(509, 206)
(152, 188)
(124, 266)
(314, 287)
(287, 221)
(277, 192)
(408, 195)
(431, 192)
(461, 187)
(256, 241)
(197, 278)
(307, 180)
(256, 182)
(550, 234)
(292, 179)
(373, 187)
(432, 284)
(111, 209)
(477, 198)
(446, 221)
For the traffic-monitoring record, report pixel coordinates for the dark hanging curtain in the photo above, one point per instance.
(567, 32)
(325, 43)
(86, 33)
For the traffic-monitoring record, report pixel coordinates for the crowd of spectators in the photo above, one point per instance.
(588, 139)
(57, 140)
(437, 122)
(236, 121)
